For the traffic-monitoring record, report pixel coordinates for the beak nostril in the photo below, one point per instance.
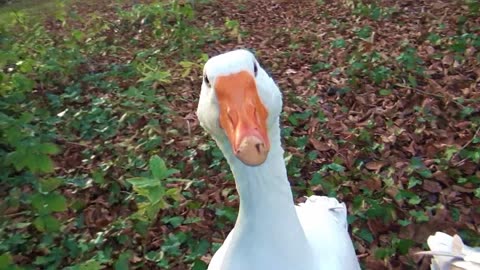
(230, 118)
(252, 151)
(258, 147)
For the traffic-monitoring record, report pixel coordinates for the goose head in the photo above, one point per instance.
(239, 105)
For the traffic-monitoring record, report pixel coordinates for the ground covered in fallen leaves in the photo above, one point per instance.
(381, 110)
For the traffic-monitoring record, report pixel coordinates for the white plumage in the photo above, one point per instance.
(270, 231)
(451, 253)
(324, 221)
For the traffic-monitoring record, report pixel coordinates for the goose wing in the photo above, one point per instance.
(324, 221)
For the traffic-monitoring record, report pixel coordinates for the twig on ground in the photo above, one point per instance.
(429, 94)
(463, 147)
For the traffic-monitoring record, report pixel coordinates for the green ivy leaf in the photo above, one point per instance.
(385, 92)
(336, 167)
(21, 83)
(316, 179)
(5, 260)
(156, 194)
(199, 265)
(339, 43)
(43, 164)
(426, 173)
(88, 265)
(419, 216)
(293, 120)
(477, 193)
(200, 248)
(364, 32)
(366, 235)
(26, 117)
(159, 168)
(49, 184)
(77, 35)
(154, 256)
(173, 193)
(98, 177)
(320, 66)
(228, 212)
(416, 163)
(156, 76)
(187, 67)
(48, 203)
(232, 24)
(466, 111)
(383, 253)
(403, 245)
(455, 212)
(150, 210)
(139, 183)
(412, 80)
(412, 181)
(414, 200)
(404, 222)
(47, 223)
(122, 262)
(56, 202)
(48, 148)
(174, 221)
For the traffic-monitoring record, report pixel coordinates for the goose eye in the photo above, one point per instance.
(205, 78)
(255, 69)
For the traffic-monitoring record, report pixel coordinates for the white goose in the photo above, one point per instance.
(451, 253)
(240, 107)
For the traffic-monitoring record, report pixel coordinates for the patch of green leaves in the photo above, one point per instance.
(417, 166)
(339, 43)
(419, 216)
(153, 188)
(411, 62)
(320, 66)
(33, 156)
(56, 95)
(372, 10)
(364, 32)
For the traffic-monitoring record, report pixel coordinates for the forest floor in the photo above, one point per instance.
(381, 110)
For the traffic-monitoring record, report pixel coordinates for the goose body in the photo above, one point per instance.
(449, 252)
(239, 107)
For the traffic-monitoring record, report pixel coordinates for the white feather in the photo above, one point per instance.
(451, 253)
(324, 221)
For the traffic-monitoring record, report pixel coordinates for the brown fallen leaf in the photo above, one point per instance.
(463, 189)
(375, 264)
(448, 60)
(375, 165)
(320, 146)
(378, 226)
(373, 184)
(441, 176)
(431, 186)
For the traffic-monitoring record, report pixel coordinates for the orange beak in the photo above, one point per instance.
(243, 117)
